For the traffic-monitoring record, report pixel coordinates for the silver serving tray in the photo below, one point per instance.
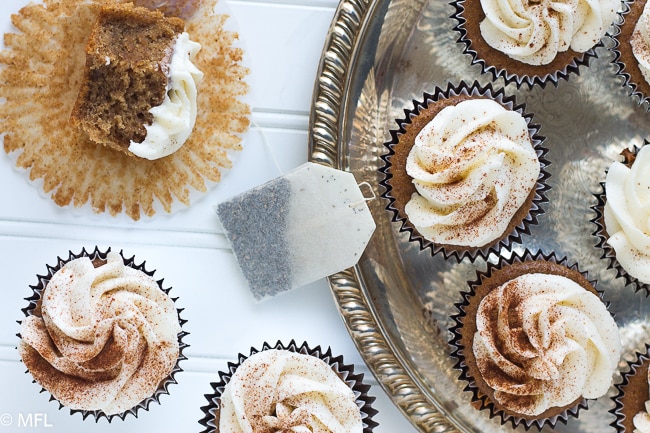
(397, 302)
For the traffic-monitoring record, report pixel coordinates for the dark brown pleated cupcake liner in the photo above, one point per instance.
(480, 400)
(550, 75)
(607, 252)
(541, 188)
(626, 64)
(96, 254)
(344, 371)
(624, 409)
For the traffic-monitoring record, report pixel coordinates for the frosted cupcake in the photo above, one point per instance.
(101, 335)
(465, 173)
(534, 341)
(622, 217)
(632, 50)
(632, 401)
(289, 388)
(533, 42)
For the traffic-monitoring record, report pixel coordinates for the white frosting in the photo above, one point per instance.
(533, 32)
(627, 214)
(283, 391)
(174, 119)
(473, 167)
(86, 310)
(640, 42)
(641, 420)
(543, 341)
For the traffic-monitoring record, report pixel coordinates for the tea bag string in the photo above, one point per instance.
(269, 150)
(267, 146)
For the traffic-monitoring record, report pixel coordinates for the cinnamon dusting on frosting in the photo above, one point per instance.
(104, 337)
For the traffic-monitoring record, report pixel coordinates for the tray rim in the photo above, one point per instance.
(353, 303)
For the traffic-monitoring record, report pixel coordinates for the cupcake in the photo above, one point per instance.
(622, 218)
(101, 335)
(289, 388)
(532, 42)
(465, 171)
(46, 59)
(632, 401)
(534, 341)
(632, 49)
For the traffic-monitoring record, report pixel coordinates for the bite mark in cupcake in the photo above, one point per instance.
(45, 59)
(140, 86)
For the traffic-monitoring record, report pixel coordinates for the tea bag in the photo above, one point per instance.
(298, 228)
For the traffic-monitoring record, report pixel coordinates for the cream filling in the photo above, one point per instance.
(174, 119)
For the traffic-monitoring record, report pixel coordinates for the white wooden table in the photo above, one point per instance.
(284, 40)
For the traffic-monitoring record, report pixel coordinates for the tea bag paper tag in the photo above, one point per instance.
(296, 229)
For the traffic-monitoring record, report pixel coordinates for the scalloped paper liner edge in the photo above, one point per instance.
(130, 262)
(541, 188)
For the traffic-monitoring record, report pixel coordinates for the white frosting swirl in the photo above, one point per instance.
(281, 391)
(106, 339)
(543, 341)
(535, 31)
(174, 119)
(640, 42)
(641, 420)
(627, 214)
(473, 167)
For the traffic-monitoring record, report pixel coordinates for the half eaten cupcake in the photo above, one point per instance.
(465, 173)
(534, 341)
(112, 91)
(140, 86)
(101, 335)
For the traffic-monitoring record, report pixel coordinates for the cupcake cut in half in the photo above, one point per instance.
(622, 215)
(101, 335)
(289, 388)
(62, 77)
(534, 340)
(533, 42)
(465, 172)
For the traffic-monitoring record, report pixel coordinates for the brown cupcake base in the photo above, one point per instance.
(399, 187)
(632, 393)
(211, 411)
(98, 257)
(465, 327)
(469, 15)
